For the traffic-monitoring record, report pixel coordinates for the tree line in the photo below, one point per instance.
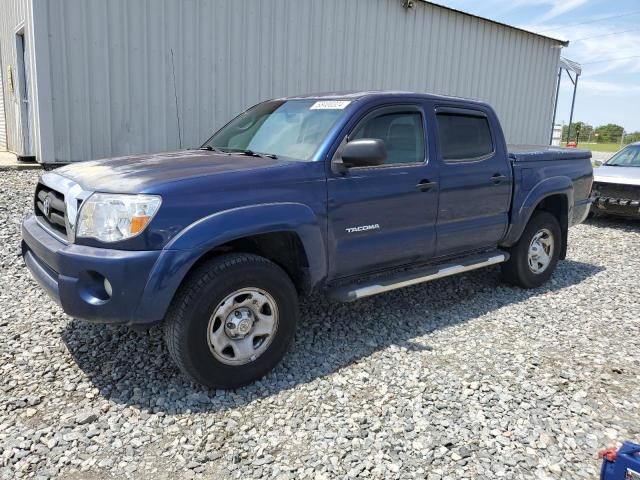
(609, 133)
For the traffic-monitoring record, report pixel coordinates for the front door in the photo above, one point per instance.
(384, 216)
(475, 182)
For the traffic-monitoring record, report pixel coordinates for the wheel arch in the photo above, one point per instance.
(555, 195)
(289, 234)
(283, 247)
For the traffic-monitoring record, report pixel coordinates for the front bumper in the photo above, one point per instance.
(617, 206)
(73, 275)
(612, 198)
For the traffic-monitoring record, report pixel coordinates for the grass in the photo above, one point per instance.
(600, 147)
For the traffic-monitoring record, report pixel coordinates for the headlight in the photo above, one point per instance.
(111, 217)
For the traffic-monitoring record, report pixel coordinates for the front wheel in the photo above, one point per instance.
(232, 320)
(535, 256)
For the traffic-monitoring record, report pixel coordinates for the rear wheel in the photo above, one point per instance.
(232, 321)
(535, 256)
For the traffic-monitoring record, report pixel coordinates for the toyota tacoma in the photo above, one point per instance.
(348, 194)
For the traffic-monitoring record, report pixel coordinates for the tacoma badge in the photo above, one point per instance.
(362, 228)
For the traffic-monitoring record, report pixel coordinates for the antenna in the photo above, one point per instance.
(175, 94)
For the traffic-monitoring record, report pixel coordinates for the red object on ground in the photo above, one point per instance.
(572, 144)
(608, 453)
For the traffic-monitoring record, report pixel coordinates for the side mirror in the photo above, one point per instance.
(364, 152)
(597, 163)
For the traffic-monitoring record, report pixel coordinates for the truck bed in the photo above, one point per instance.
(545, 153)
(568, 169)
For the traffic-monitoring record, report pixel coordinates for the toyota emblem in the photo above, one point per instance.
(46, 206)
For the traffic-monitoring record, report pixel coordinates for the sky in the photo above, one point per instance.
(602, 35)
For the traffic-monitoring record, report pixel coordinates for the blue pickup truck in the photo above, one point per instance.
(349, 194)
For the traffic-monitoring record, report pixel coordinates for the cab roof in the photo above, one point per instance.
(371, 94)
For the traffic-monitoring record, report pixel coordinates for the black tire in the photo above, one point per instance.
(187, 321)
(516, 270)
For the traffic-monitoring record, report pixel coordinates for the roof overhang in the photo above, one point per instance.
(563, 43)
(570, 65)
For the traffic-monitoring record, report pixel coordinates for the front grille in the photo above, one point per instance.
(617, 191)
(50, 209)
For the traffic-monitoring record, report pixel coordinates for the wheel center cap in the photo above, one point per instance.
(244, 327)
(238, 323)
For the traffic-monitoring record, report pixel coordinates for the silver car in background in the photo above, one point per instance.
(616, 184)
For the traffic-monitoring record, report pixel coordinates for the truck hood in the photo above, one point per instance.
(139, 173)
(621, 175)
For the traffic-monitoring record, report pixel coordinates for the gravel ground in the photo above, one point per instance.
(460, 378)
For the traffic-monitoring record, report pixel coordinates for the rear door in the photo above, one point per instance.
(384, 216)
(475, 180)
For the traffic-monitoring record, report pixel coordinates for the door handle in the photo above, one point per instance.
(425, 185)
(497, 178)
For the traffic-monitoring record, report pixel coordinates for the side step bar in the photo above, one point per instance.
(349, 293)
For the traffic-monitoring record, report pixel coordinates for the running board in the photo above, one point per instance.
(349, 293)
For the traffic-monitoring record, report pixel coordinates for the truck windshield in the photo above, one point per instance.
(293, 129)
(627, 157)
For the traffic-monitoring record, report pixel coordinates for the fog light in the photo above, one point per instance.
(94, 288)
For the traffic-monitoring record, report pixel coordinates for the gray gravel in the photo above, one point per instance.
(460, 378)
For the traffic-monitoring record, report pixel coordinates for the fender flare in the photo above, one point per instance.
(202, 236)
(550, 186)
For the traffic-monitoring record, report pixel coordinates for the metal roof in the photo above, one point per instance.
(564, 43)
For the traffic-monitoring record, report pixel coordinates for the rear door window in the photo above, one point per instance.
(463, 138)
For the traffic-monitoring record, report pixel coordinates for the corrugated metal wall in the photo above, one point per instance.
(12, 15)
(113, 64)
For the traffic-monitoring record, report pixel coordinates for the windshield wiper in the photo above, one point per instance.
(251, 153)
(209, 148)
(247, 152)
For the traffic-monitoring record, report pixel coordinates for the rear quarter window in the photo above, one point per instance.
(463, 138)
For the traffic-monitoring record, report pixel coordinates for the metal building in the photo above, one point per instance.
(85, 79)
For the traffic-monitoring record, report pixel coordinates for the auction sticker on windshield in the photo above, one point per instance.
(330, 105)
